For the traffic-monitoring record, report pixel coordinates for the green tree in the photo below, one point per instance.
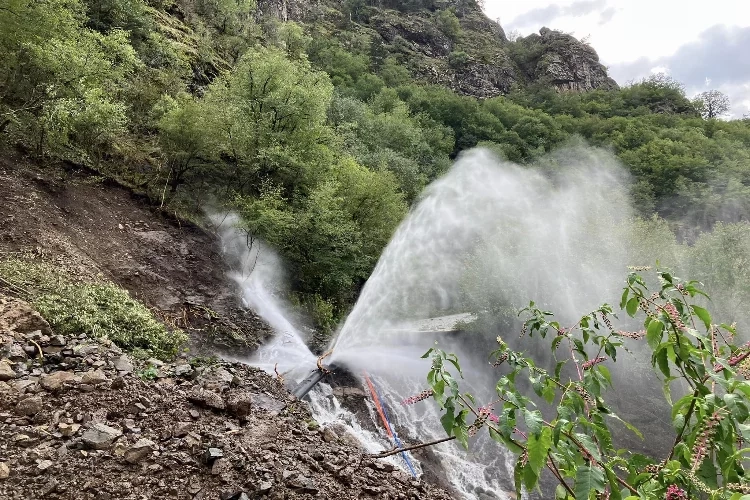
(269, 114)
(712, 104)
(60, 80)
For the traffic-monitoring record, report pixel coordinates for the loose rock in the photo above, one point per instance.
(29, 406)
(140, 450)
(6, 372)
(100, 436)
(56, 381)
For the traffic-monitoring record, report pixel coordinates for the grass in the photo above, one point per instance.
(99, 309)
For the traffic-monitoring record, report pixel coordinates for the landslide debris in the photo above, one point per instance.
(81, 419)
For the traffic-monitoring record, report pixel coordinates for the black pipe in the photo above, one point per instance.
(311, 381)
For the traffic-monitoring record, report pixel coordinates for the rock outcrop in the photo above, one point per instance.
(564, 62)
(476, 60)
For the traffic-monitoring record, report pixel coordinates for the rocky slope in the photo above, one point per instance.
(477, 59)
(80, 419)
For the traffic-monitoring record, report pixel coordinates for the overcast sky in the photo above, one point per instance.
(703, 44)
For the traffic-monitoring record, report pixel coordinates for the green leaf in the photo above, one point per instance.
(736, 406)
(654, 333)
(537, 448)
(533, 421)
(632, 306)
(439, 388)
(624, 299)
(614, 486)
(630, 426)
(703, 315)
(560, 364)
(662, 360)
(448, 420)
(605, 372)
(556, 342)
(561, 493)
(500, 438)
(590, 445)
(588, 479)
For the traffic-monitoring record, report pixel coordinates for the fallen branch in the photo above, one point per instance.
(414, 447)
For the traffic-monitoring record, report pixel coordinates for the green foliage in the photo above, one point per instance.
(448, 23)
(61, 79)
(101, 310)
(148, 373)
(575, 443)
(458, 59)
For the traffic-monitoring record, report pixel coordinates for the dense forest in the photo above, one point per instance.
(321, 133)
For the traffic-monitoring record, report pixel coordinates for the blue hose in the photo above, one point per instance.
(393, 432)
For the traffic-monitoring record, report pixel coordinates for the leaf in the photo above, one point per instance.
(448, 420)
(605, 372)
(590, 445)
(439, 388)
(613, 485)
(703, 315)
(736, 406)
(556, 342)
(533, 421)
(537, 448)
(654, 333)
(500, 438)
(588, 479)
(624, 299)
(632, 306)
(560, 364)
(662, 360)
(561, 493)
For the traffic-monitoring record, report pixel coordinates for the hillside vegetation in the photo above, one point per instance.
(322, 131)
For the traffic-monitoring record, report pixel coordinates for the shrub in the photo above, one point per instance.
(458, 59)
(101, 310)
(707, 458)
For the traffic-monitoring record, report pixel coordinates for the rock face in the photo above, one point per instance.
(563, 62)
(476, 60)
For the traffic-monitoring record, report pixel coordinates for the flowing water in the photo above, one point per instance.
(487, 234)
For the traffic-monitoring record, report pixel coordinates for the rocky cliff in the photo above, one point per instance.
(563, 62)
(452, 43)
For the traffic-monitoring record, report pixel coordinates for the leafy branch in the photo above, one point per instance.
(706, 460)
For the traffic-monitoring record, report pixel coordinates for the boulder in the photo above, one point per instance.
(239, 403)
(6, 371)
(123, 364)
(94, 377)
(55, 381)
(100, 436)
(207, 399)
(140, 450)
(29, 406)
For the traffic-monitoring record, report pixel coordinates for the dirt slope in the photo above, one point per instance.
(70, 217)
